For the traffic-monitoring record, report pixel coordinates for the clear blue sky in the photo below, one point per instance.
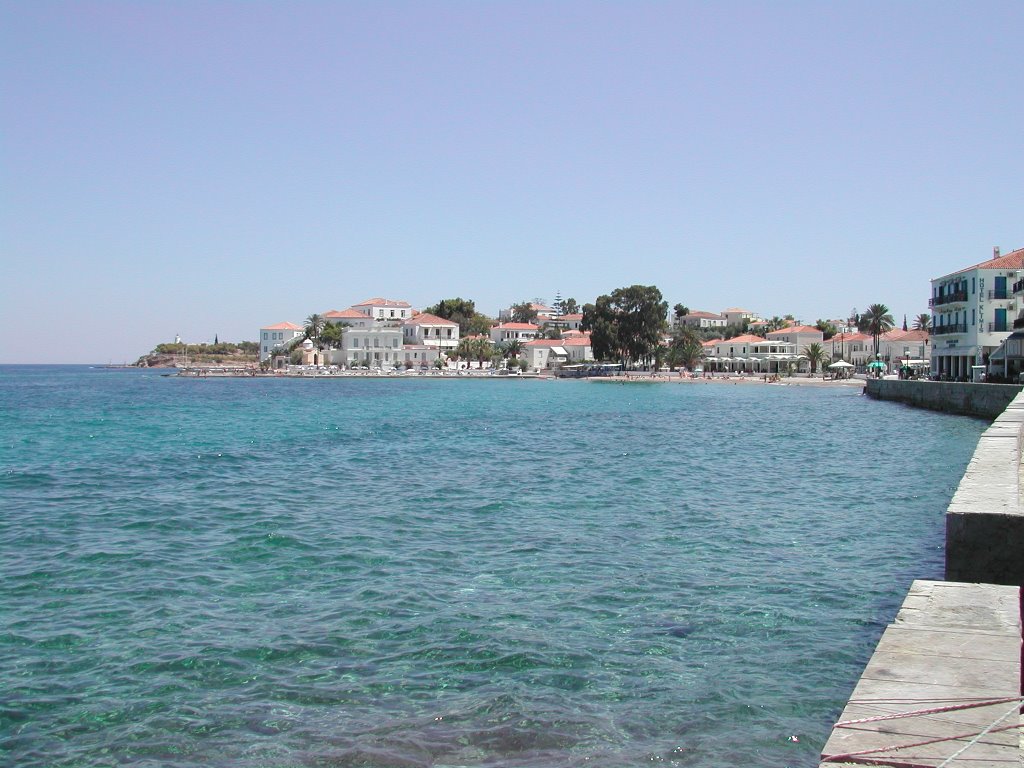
(210, 167)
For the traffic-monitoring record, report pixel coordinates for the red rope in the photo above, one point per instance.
(848, 757)
(932, 711)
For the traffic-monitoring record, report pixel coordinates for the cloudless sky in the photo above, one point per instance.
(202, 168)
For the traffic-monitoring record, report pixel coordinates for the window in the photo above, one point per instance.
(265, 336)
(972, 317)
(974, 285)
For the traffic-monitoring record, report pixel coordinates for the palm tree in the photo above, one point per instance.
(922, 322)
(877, 321)
(314, 327)
(815, 354)
(776, 324)
(511, 348)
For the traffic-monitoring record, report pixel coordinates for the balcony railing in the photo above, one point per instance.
(998, 327)
(943, 330)
(957, 297)
(1018, 286)
(998, 293)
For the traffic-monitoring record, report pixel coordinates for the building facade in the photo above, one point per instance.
(972, 314)
(277, 335)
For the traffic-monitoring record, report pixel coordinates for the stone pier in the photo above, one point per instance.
(943, 688)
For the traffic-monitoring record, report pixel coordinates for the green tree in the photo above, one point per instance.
(685, 350)
(331, 336)
(481, 349)
(627, 324)
(458, 310)
(524, 313)
(314, 327)
(511, 348)
(877, 321)
(816, 354)
(478, 325)
(570, 307)
(828, 329)
(776, 324)
(681, 310)
(923, 322)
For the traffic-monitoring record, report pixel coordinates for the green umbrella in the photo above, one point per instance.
(876, 364)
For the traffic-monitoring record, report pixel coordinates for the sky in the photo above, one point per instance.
(204, 169)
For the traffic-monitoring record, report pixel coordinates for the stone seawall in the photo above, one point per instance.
(968, 399)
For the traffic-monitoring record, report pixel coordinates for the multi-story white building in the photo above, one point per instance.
(799, 335)
(702, 320)
(972, 314)
(277, 335)
(431, 331)
(736, 316)
(896, 346)
(552, 353)
(385, 309)
(753, 354)
(514, 332)
(853, 347)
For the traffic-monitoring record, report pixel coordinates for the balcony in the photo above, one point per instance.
(1018, 286)
(1002, 327)
(944, 330)
(999, 293)
(957, 297)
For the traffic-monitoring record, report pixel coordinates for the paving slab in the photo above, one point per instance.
(947, 670)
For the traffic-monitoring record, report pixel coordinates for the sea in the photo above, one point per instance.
(414, 572)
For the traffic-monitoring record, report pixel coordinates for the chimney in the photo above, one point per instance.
(995, 252)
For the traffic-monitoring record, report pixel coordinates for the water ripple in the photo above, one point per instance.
(422, 573)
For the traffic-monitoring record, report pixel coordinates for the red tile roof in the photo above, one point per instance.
(379, 302)
(901, 335)
(1012, 260)
(517, 327)
(746, 338)
(424, 318)
(796, 329)
(285, 326)
(346, 313)
(700, 313)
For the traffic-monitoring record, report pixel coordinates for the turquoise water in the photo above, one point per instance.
(449, 573)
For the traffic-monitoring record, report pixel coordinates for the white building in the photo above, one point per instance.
(277, 335)
(702, 320)
(898, 345)
(385, 309)
(431, 331)
(972, 314)
(514, 332)
(752, 354)
(855, 347)
(554, 353)
(736, 316)
(799, 335)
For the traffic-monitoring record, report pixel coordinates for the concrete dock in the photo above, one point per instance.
(943, 687)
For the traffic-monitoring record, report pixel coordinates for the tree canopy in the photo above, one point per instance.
(877, 321)
(627, 324)
(463, 312)
(524, 312)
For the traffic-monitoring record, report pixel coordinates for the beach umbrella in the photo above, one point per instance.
(876, 364)
(841, 364)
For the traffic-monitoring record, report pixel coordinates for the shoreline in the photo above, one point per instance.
(639, 378)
